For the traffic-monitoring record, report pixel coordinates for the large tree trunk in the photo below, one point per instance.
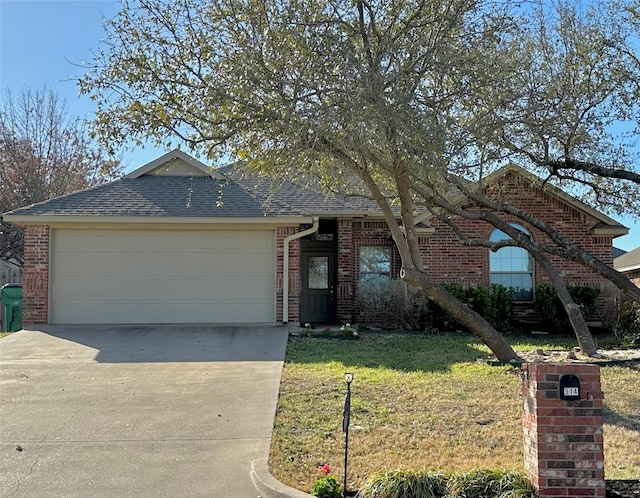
(462, 313)
(583, 334)
(412, 273)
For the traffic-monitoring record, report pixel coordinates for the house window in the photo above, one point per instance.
(512, 267)
(375, 267)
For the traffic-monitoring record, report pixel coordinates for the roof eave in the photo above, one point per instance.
(625, 269)
(610, 231)
(24, 220)
(337, 213)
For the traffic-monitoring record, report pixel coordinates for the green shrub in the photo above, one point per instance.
(550, 307)
(481, 483)
(627, 327)
(585, 296)
(404, 484)
(494, 305)
(327, 487)
(397, 305)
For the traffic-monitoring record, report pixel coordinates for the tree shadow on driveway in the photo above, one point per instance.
(148, 343)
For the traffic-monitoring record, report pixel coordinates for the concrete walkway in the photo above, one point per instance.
(144, 411)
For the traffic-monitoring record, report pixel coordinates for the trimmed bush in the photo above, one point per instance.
(495, 305)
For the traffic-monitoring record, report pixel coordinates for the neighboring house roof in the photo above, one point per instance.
(628, 262)
(617, 252)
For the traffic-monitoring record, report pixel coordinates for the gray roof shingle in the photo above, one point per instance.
(306, 198)
(167, 196)
(231, 195)
(628, 260)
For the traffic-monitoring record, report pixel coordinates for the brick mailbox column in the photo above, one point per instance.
(563, 444)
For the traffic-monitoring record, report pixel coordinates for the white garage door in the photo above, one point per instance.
(160, 276)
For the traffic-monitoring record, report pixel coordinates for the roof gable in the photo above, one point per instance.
(603, 225)
(176, 163)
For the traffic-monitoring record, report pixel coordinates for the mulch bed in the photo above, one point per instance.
(623, 488)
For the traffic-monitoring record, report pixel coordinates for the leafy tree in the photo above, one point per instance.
(43, 154)
(404, 101)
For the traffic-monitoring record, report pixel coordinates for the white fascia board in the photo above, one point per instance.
(615, 231)
(346, 214)
(156, 220)
(625, 269)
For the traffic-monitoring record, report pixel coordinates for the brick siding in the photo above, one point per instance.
(347, 271)
(35, 279)
(563, 440)
(445, 258)
(294, 274)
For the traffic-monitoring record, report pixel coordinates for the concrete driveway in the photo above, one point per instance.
(144, 411)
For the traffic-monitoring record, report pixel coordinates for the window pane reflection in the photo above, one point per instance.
(318, 272)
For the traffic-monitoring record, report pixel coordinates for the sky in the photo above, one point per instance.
(46, 42)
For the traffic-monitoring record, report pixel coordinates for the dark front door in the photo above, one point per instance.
(318, 298)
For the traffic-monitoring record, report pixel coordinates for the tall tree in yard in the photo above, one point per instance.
(414, 99)
(44, 153)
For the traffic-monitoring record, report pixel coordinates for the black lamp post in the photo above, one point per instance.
(346, 416)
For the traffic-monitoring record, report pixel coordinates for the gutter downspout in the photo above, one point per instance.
(285, 266)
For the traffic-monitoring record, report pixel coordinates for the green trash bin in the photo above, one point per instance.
(11, 295)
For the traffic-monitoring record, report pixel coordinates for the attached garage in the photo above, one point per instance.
(162, 276)
(174, 241)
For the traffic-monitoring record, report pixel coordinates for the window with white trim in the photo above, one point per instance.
(512, 267)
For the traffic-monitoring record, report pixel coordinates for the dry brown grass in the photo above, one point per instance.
(420, 402)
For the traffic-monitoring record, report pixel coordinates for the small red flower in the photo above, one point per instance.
(325, 469)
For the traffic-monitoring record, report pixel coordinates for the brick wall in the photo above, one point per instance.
(634, 276)
(363, 234)
(346, 271)
(294, 274)
(35, 278)
(447, 260)
(563, 440)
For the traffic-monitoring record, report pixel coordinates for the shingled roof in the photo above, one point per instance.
(177, 186)
(308, 198)
(171, 196)
(628, 262)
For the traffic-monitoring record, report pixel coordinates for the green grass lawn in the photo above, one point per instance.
(423, 401)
